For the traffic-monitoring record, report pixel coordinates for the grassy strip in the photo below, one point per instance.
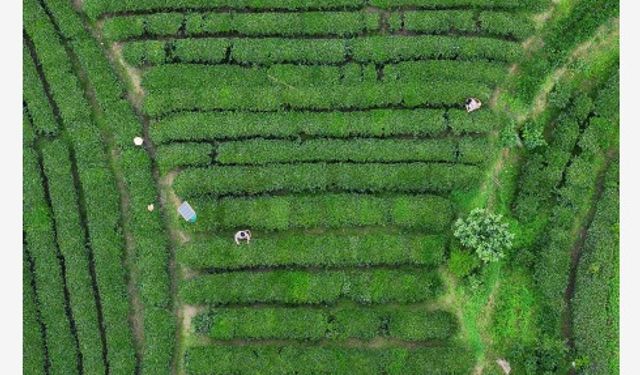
(34, 95)
(134, 167)
(596, 301)
(428, 213)
(262, 151)
(34, 358)
(356, 96)
(250, 24)
(48, 274)
(312, 287)
(318, 177)
(190, 126)
(71, 242)
(304, 323)
(317, 250)
(279, 359)
(97, 184)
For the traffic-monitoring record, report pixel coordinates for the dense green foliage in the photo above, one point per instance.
(485, 233)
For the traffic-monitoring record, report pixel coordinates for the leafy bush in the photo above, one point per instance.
(485, 233)
(462, 263)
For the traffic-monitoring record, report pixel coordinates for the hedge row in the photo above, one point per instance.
(263, 151)
(347, 97)
(98, 188)
(314, 250)
(39, 236)
(194, 76)
(446, 70)
(374, 49)
(518, 26)
(312, 287)
(595, 306)
(435, 4)
(249, 24)
(149, 242)
(319, 177)
(280, 359)
(306, 323)
(428, 213)
(71, 238)
(199, 126)
(33, 349)
(40, 111)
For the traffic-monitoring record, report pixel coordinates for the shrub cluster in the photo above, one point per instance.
(309, 323)
(280, 359)
(71, 238)
(312, 287)
(98, 189)
(318, 250)
(428, 213)
(318, 177)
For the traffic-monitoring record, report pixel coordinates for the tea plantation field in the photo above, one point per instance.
(336, 132)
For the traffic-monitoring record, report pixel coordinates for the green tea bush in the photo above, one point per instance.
(518, 26)
(331, 97)
(177, 155)
(48, 275)
(280, 50)
(428, 213)
(96, 8)
(71, 238)
(262, 151)
(462, 263)
(312, 287)
(446, 70)
(371, 123)
(317, 177)
(385, 49)
(320, 250)
(33, 349)
(279, 359)
(306, 323)
(38, 107)
(247, 24)
(595, 305)
(440, 21)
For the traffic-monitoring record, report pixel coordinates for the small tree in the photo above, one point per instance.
(485, 233)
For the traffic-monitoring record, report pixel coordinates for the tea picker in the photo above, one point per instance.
(472, 104)
(242, 235)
